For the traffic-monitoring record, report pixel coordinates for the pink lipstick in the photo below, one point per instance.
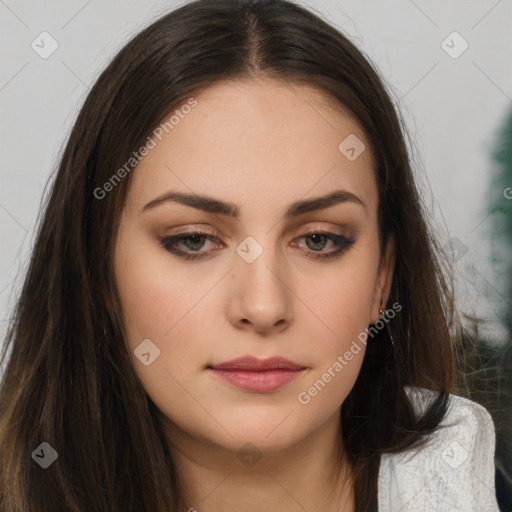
(257, 375)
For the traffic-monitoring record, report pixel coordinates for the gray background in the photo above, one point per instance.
(453, 107)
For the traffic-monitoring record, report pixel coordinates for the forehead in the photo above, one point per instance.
(258, 142)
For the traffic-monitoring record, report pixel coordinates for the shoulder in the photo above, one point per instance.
(453, 471)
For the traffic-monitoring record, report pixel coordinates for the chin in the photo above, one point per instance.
(262, 437)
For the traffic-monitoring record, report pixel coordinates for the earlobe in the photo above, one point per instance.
(384, 279)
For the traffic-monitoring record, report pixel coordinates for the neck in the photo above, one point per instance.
(305, 476)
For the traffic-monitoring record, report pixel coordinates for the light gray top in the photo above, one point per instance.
(454, 473)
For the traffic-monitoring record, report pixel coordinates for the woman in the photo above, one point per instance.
(234, 301)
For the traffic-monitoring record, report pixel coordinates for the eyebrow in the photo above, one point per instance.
(212, 205)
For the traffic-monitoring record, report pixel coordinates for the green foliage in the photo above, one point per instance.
(489, 369)
(500, 209)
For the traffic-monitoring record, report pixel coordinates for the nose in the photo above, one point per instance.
(259, 296)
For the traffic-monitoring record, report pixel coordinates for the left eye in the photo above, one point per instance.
(194, 241)
(320, 237)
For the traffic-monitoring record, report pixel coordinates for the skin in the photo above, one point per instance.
(260, 145)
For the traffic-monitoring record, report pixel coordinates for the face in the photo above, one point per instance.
(259, 269)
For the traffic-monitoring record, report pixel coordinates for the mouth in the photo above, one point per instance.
(251, 363)
(259, 376)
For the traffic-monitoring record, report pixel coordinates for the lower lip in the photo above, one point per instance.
(258, 381)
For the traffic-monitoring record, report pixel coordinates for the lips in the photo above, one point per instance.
(257, 375)
(251, 363)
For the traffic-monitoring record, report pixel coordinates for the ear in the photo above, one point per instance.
(384, 280)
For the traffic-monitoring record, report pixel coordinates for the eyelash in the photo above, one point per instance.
(342, 242)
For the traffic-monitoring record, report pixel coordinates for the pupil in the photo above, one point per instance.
(316, 237)
(195, 240)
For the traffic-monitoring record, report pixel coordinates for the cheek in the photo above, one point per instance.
(154, 293)
(344, 299)
(146, 298)
(158, 304)
(163, 303)
(342, 307)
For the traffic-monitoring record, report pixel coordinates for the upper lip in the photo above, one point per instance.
(255, 364)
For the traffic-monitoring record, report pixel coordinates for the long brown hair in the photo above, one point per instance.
(69, 379)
